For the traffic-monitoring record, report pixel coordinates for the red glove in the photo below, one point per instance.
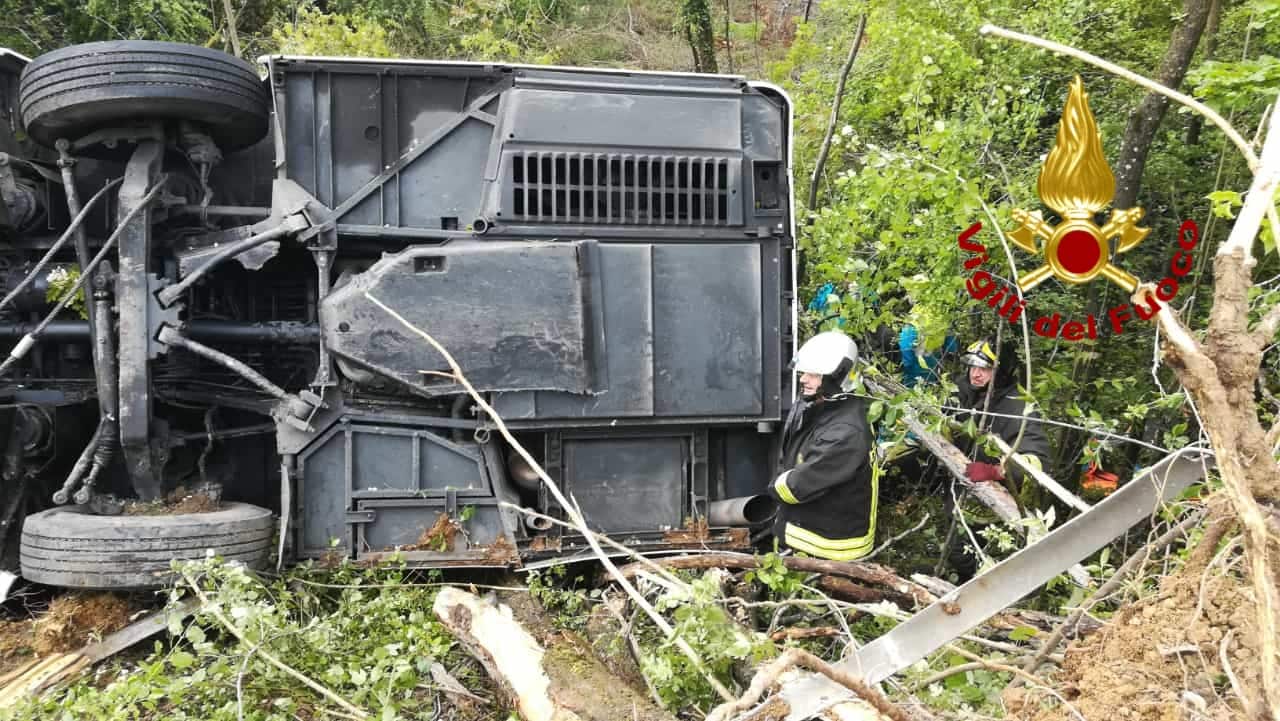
(984, 472)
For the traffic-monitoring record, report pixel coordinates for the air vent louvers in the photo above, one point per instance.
(619, 188)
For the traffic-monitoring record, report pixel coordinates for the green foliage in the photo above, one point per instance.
(318, 33)
(563, 597)
(186, 21)
(699, 619)
(776, 577)
(61, 281)
(369, 636)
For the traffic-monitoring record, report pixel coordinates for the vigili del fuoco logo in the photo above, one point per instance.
(1077, 184)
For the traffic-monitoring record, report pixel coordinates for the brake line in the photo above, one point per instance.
(25, 344)
(57, 246)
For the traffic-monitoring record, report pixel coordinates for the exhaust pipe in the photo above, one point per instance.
(537, 523)
(742, 511)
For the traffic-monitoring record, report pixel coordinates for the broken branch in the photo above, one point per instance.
(768, 675)
(865, 572)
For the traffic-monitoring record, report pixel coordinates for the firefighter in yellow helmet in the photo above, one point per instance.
(985, 372)
(825, 486)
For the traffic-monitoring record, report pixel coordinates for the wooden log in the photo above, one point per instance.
(40, 675)
(846, 590)
(866, 573)
(559, 682)
(992, 495)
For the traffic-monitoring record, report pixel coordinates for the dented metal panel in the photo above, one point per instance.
(516, 316)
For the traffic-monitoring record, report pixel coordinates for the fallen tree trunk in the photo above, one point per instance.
(866, 573)
(955, 461)
(992, 495)
(558, 682)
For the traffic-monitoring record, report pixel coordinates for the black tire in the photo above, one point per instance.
(66, 546)
(69, 92)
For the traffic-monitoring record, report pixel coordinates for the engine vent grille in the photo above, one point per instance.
(622, 188)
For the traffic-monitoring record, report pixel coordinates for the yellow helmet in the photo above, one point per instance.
(979, 354)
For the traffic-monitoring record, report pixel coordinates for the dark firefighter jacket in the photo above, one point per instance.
(1034, 446)
(825, 483)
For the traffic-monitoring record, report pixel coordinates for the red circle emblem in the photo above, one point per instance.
(1078, 252)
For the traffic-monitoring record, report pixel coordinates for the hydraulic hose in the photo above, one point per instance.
(25, 344)
(169, 336)
(98, 310)
(82, 464)
(105, 364)
(57, 246)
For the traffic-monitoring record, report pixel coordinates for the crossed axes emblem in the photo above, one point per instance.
(1076, 181)
(1077, 250)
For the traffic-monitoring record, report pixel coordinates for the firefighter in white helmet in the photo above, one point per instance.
(825, 485)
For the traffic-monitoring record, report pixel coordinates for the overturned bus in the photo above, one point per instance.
(197, 264)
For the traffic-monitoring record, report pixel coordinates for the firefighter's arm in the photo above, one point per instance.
(832, 458)
(1033, 450)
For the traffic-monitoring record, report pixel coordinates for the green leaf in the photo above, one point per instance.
(1023, 633)
(181, 660)
(195, 634)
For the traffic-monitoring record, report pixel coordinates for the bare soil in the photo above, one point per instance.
(180, 500)
(76, 619)
(1158, 659)
(17, 639)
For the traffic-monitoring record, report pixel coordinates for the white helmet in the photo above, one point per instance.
(832, 355)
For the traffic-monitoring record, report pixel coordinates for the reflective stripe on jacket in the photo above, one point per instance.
(825, 483)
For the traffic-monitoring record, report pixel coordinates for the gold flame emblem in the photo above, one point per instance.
(1077, 183)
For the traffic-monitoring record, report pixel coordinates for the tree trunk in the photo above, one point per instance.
(558, 681)
(1146, 119)
(695, 15)
(869, 574)
(835, 114)
(1210, 49)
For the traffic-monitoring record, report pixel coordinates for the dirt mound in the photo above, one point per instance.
(181, 500)
(16, 639)
(76, 619)
(1159, 659)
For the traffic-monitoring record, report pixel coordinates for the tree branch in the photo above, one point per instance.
(835, 114)
(1259, 200)
(768, 675)
(1234, 135)
(268, 657)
